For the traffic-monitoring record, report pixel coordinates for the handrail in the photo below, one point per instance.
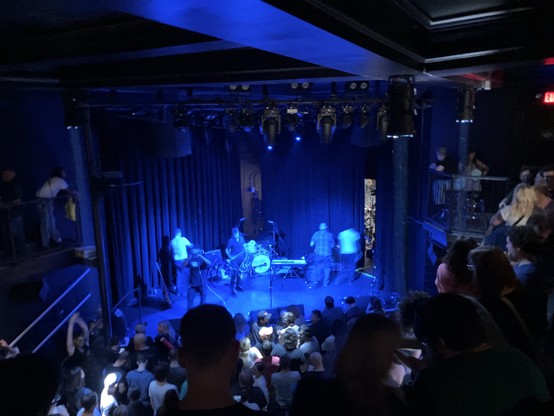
(18, 338)
(75, 309)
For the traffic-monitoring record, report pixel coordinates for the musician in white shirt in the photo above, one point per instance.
(178, 247)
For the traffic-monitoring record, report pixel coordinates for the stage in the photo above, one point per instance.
(286, 289)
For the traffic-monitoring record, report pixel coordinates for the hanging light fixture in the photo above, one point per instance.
(270, 125)
(326, 123)
(401, 108)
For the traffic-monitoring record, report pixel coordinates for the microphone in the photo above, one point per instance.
(271, 222)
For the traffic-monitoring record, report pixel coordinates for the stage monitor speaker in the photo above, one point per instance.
(214, 256)
(35, 291)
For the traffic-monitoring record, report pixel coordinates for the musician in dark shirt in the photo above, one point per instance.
(235, 252)
(197, 263)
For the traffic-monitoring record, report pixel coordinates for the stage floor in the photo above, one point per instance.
(258, 294)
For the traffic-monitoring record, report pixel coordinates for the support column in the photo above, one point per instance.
(400, 216)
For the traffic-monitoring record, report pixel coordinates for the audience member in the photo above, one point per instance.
(250, 395)
(241, 325)
(296, 355)
(357, 386)
(164, 341)
(469, 377)
(177, 374)
(159, 387)
(89, 405)
(316, 367)
(307, 342)
(140, 328)
(262, 320)
(107, 401)
(266, 334)
(12, 231)
(319, 327)
(258, 371)
(271, 362)
(375, 306)
(248, 354)
(332, 313)
(353, 311)
(209, 353)
(136, 406)
(453, 275)
(140, 346)
(443, 162)
(284, 382)
(73, 388)
(526, 176)
(170, 402)
(140, 378)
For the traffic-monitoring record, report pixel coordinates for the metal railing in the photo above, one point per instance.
(20, 228)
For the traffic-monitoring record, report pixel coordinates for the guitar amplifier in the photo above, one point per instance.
(214, 256)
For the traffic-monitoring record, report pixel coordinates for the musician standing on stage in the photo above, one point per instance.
(196, 264)
(350, 251)
(179, 246)
(323, 242)
(235, 252)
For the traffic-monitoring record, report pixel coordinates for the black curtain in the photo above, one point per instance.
(307, 183)
(199, 193)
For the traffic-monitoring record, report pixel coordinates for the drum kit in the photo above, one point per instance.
(257, 259)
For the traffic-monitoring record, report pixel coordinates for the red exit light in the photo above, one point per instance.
(548, 97)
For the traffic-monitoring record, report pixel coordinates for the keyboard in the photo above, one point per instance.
(289, 263)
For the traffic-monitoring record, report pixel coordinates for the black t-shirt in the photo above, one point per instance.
(196, 272)
(234, 410)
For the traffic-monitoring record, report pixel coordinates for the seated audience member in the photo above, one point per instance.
(136, 406)
(526, 176)
(502, 295)
(357, 387)
(517, 213)
(523, 246)
(159, 387)
(284, 382)
(332, 313)
(250, 395)
(89, 405)
(319, 326)
(443, 162)
(210, 355)
(140, 378)
(545, 204)
(177, 374)
(28, 385)
(262, 320)
(353, 311)
(241, 325)
(547, 173)
(453, 275)
(468, 377)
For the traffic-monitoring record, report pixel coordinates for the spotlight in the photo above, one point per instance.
(247, 120)
(298, 138)
(270, 125)
(304, 86)
(401, 94)
(326, 123)
(352, 86)
(230, 122)
(364, 116)
(292, 119)
(347, 114)
(239, 88)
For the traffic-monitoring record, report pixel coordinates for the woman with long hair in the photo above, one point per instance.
(520, 209)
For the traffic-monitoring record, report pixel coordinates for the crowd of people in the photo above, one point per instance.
(462, 352)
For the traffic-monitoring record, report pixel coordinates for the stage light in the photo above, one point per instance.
(347, 115)
(247, 120)
(270, 125)
(298, 138)
(230, 122)
(364, 116)
(304, 86)
(352, 86)
(326, 123)
(466, 105)
(292, 119)
(239, 88)
(401, 94)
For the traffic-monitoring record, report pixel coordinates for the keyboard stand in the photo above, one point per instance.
(295, 272)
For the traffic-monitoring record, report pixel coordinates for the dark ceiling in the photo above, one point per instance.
(208, 44)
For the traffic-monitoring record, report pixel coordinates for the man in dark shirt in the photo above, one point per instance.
(209, 354)
(197, 263)
(353, 311)
(235, 252)
(320, 328)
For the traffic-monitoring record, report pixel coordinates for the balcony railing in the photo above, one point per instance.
(464, 204)
(20, 229)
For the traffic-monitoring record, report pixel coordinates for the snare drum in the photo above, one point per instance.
(261, 264)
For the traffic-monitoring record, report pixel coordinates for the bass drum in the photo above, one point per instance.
(261, 264)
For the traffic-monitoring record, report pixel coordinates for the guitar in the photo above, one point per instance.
(167, 297)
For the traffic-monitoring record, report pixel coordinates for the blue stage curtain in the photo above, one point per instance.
(307, 183)
(199, 193)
